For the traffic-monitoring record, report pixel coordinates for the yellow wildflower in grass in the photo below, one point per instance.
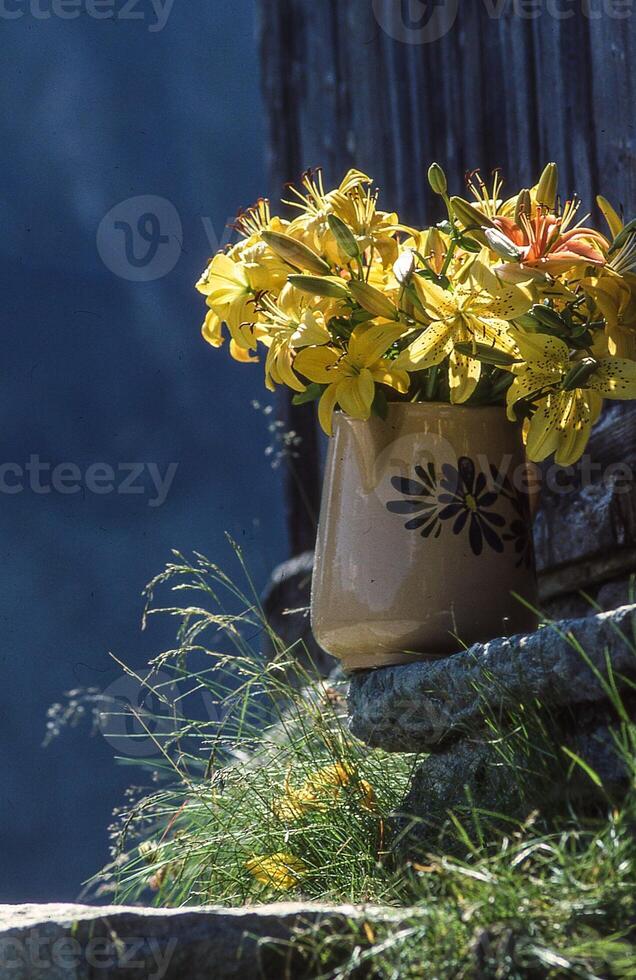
(293, 804)
(565, 412)
(351, 375)
(478, 312)
(320, 791)
(327, 782)
(280, 871)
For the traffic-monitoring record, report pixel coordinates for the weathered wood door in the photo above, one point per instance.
(389, 86)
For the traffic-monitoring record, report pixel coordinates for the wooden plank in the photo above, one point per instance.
(506, 92)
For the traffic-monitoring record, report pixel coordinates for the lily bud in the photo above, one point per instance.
(486, 354)
(469, 216)
(472, 219)
(372, 300)
(502, 246)
(580, 373)
(344, 236)
(523, 206)
(435, 249)
(437, 180)
(295, 253)
(548, 186)
(548, 318)
(329, 286)
(405, 266)
(613, 220)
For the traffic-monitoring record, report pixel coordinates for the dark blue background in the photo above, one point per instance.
(96, 368)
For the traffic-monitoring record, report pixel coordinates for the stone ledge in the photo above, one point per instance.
(471, 776)
(78, 942)
(424, 707)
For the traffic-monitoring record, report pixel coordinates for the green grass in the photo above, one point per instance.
(551, 896)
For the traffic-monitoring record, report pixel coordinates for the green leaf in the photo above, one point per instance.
(430, 384)
(361, 316)
(380, 406)
(341, 327)
(442, 281)
(344, 236)
(469, 244)
(620, 239)
(527, 322)
(320, 286)
(581, 341)
(311, 394)
(587, 769)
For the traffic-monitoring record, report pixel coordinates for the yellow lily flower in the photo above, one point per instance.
(615, 298)
(351, 376)
(264, 269)
(290, 324)
(231, 299)
(355, 203)
(280, 871)
(475, 311)
(613, 291)
(564, 418)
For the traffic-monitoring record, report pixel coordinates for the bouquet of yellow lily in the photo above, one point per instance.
(513, 301)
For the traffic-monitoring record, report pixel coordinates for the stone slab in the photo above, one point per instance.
(423, 707)
(78, 942)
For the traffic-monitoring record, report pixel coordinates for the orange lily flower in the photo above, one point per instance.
(547, 246)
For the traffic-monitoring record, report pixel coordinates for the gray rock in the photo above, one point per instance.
(75, 942)
(427, 706)
(507, 779)
(597, 520)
